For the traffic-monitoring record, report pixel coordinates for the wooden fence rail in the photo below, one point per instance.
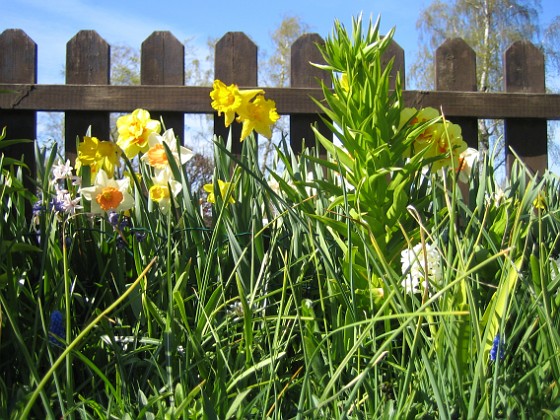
(87, 98)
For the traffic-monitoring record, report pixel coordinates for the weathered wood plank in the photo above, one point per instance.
(163, 63)
(524, 73)
(193, 99)
(456, 71)
(18, 58)
(395, 52)
(87, 63)
(303, 75)
(235, 62)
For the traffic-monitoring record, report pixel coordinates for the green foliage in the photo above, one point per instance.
(297, 300)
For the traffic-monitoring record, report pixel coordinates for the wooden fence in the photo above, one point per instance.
(87, 98)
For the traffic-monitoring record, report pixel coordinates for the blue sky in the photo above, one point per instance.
(52, 23)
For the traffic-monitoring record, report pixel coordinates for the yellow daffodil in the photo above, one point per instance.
(108, 194)
(87, 151)
(223, 187)
(259, 115)
(228, 99)
(441, 138)
(134, 130)
(163, 189)
(156, 156)
(98, 155)
(448, 143)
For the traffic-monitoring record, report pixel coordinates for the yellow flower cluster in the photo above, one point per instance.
(252, 109)
(134, 130)
(223, 188)
(98, 155)
(440, 139)
(137, 134)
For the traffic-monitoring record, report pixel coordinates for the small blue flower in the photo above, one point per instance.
(125, 223)
(38, 208)
(113, 218)
(498, 346)
(56, 328)
(57, 205)
(140, 236)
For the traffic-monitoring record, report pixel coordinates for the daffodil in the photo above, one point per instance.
(448, 144)
(108, 194)
(163, 189)
(439, 139)
(134, 130)
(228, 99)
(98, 155)
(467, 160)
(223, 190)
(259, 115)
(156, 155)
(109, 156)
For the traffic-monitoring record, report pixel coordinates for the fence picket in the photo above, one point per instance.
(524, 72)
(456, 71)
(18, 64)
(163, 63)
(87, 63)
(303, 74)
(395, 52)
(235, 62)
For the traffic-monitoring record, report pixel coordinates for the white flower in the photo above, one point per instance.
(156, 155)
(467, 160)
(413, 265)
(108, 194)
(164, 188)
(496, 198)
(70, 204)
(61, 170)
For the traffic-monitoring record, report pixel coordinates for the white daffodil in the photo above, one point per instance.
(156, 155)
(108, 194)
(467, 161)
(164, 188)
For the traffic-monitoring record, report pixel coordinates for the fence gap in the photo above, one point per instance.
(456, 71)
(235, 62)
(87, 63)
(163, 63)
(18, 58)
(524, 73)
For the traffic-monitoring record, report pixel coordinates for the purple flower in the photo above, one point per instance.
(125, 223)
(56, 328)
(57, 205)
(113, 218)
(140, 236)
(38, 208)
(498, 348)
